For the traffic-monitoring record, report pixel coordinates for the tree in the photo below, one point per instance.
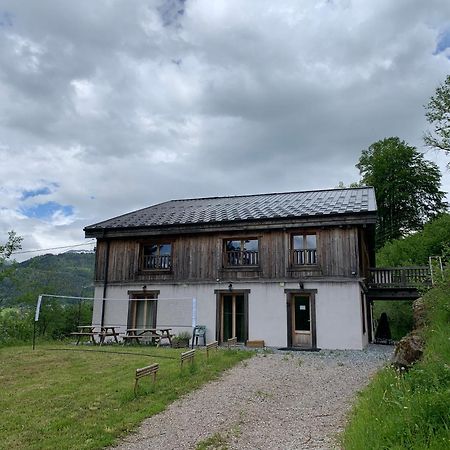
(13, 243)
(6, 250)
(438, 115)
(407, 187)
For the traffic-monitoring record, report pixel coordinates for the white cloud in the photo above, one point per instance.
(124, 104)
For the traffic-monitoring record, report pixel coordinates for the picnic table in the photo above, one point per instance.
(154, 335)
(107, 332)
(90, 331)
(85, 331)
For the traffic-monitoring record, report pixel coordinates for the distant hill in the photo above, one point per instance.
(69, 273)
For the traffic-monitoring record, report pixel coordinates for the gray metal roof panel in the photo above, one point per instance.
(246, 207)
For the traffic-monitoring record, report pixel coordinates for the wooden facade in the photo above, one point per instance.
(342, 251)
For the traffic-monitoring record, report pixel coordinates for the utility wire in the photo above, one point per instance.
(53, 248)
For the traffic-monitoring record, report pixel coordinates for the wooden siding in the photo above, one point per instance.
(200, 257)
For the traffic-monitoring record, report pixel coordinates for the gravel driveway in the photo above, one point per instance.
(289, 400)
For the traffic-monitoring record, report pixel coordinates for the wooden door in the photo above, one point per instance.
(301, 315)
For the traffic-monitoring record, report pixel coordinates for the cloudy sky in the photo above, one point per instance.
(109, 106)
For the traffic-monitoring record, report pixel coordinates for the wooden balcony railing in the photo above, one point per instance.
(152, 262)
(304, 257)
(409, 277)
(241, 258)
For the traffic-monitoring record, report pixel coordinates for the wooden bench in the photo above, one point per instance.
(138, 338)
(187, 356)
(211, 346)
(145, 371)
(232, 342)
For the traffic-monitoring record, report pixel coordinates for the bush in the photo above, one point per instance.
(16, 325)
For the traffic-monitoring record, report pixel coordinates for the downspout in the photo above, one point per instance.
(105, 282)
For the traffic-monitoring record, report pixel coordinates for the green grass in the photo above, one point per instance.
(409, 410)
(70, 399)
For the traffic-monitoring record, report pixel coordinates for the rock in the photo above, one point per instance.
(408, 350)
(419, 313)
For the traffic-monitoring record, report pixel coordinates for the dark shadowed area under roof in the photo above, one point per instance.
(246, 207)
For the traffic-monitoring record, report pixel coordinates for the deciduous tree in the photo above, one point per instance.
(13, 243)
(407, 187)
(438, 115)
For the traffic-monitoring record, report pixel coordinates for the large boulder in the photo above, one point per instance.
(408, 350)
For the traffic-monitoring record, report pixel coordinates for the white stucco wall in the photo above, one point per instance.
(338, 310)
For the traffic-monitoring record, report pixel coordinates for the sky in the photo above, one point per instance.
(110, 106)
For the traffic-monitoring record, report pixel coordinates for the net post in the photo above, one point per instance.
(194, 318)
(36, 318)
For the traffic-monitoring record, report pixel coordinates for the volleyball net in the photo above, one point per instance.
(57, 316)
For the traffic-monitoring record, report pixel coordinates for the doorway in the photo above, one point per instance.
(232, 316)
(301, 320)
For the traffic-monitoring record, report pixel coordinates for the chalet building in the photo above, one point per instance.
(287, 268)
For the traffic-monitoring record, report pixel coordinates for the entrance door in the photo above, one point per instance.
(301, 321)
(233, 317)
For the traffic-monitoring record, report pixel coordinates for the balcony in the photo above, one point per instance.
(397, 283)
(241, 258)
(304, 257)
(157, 262)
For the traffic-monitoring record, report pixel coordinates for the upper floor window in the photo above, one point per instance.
(242, 252)
(304, 249)
(157, 256)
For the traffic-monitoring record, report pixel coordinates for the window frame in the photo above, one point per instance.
(294, 259)
(241, 264)
(148, 298)
(159, 244)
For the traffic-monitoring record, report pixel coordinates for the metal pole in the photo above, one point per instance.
(36, 318)
(34, 334)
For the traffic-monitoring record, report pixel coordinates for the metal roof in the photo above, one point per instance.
(245, 208)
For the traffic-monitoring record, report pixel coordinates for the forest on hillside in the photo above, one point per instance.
(69, 273)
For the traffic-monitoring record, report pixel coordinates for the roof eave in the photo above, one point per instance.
(361, 218)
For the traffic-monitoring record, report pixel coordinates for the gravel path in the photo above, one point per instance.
(274, 401)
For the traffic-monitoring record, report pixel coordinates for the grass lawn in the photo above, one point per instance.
(65, 397)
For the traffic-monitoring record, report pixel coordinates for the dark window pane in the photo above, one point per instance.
(240, 318)
(150, 250)
(227, 317)
(302, 321)
(233, 245)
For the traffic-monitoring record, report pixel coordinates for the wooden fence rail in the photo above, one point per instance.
(399, 277)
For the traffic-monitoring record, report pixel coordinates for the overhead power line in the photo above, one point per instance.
(53, 248)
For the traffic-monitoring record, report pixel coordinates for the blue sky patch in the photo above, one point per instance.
(443, 41)
(35, 193)
(46, 210)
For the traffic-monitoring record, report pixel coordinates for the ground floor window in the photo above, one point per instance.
(142, 311)
(232, 316)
